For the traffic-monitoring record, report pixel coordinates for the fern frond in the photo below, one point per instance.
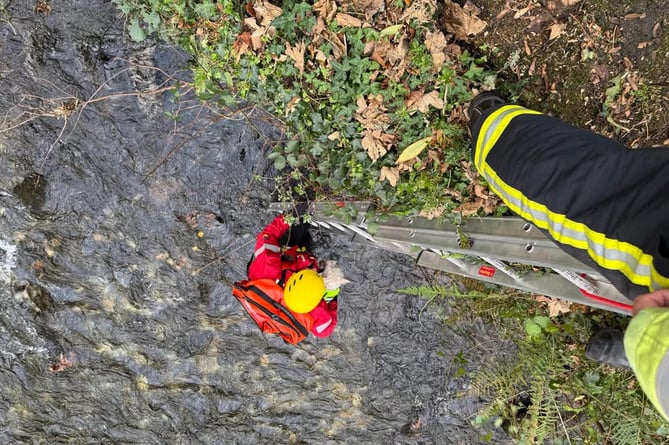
(625, 433)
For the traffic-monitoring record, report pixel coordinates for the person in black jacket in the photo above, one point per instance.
(598, 200)
(602, 202)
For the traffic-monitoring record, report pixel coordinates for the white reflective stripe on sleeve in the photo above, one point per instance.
(320, 328)
(270, 247)
(662, 384)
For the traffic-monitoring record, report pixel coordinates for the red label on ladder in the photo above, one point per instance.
(487, 271)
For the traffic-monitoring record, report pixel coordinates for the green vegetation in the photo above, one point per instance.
(369, 109)
(544, 390)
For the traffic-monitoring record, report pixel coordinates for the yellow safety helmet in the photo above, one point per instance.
(303, 291)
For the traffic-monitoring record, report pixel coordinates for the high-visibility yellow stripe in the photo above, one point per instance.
(500, 118)
(577, 234)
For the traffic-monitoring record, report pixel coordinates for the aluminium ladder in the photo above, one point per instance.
(507, 251)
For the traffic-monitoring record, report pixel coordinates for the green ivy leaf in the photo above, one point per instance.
(205, 9)
(542, 321)
(279, 163)
(292, 146)
(152, 19)
(532, 329)
(135, 30)
(228, 79)
(125, 8)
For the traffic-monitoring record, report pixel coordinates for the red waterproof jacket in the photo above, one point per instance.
(270, 261)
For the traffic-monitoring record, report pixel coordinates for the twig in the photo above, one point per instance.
(562, 423)
(60, 135)
(244, 244)
(175, 148)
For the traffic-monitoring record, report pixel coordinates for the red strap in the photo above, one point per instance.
(613, 303)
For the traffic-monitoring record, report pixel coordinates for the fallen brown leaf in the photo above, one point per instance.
(462, 22)
(600, 73)
(419, 101)
(390, 55)
(432, 213)
(327, 9)
(369, 7)
(480, 191)
(556, 30)
(390, 174)
(469, 208)
(634, 16)
(507, 9)
(377, 143)
(296, 53)
(241, 45)
(371, 113)
(265, 13)
(454, 193)
(435, 42)
(348, 20)
(521, 12)
(320, 56)
(490, 204)
(292, 103)
(470, 173)
(321, 33)
(526, 44)
(555, 306)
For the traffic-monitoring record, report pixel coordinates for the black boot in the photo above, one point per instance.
(483, 103)
(480, 108)
(606, 346)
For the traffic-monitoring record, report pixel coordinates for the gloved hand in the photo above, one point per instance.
(301, 209)
(331, 295)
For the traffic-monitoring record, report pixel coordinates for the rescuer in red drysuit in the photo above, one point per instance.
(280, 251)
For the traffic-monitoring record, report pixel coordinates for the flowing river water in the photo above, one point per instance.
(117, 324)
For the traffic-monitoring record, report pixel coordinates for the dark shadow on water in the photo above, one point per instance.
(31, 192)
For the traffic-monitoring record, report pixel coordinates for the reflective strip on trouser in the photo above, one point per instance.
(609, 253)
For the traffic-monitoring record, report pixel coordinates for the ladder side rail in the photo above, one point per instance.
(551, 284)
(513, 250)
